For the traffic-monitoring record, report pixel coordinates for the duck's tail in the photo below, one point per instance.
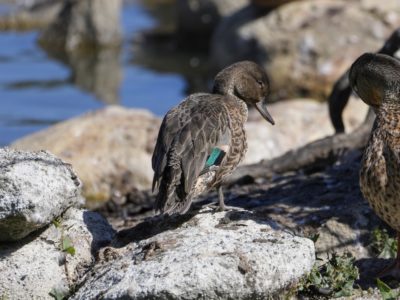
(172, 198)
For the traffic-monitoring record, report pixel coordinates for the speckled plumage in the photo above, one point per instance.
(376, 79)
(380, 167)
(199, 124)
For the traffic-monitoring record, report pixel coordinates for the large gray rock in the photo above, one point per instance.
(35, 188)
(110, 149)
(211, 256)
(305, 45)
(35, 267)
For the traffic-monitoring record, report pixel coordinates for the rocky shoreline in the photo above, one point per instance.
(77, 219)
(86, 254)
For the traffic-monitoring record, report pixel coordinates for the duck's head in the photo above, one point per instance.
(247, 81)
(376, 79)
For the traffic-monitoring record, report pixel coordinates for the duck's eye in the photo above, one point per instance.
(260, 83)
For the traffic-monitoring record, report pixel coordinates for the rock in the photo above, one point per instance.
(304, 45)
(295, 126)
(210, 256)
(37, 266)
(200, 17)
(110, 149)
(31, 15)
(35, 188)
(85, 23)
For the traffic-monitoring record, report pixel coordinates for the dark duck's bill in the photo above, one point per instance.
(262, 109)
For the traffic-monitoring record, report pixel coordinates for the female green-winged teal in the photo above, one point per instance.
(202, 140)
(376, 79)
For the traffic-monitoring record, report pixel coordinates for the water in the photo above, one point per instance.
(37, 91)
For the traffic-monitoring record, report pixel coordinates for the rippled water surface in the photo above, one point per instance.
(36, 90)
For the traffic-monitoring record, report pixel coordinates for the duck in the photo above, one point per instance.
(376, 80)
(341, 90)
(202, 140)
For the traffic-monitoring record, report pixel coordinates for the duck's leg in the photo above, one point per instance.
(221, 202)
(222, 206)
(394, 268)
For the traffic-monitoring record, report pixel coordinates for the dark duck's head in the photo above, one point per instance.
(247, 81)
(376, 79)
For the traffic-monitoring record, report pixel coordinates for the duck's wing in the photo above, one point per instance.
(188, 137)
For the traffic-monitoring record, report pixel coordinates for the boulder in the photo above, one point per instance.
(50, 263)
(231, 255)
(35, 188)
(85, 23)
(110, 149)
(305, 45)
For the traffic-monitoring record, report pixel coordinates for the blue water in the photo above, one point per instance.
(36, 91)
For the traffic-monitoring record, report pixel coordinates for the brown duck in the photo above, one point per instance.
(202, 140)
(376, 79)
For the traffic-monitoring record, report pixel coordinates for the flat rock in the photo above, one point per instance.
(305, 45)
(37, 266)
(110, 149)
(35, 188)
(230, 255)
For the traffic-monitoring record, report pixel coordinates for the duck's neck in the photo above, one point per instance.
(388, 119)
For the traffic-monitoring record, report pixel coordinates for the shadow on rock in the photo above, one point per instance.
(97, 230)
(150, 227)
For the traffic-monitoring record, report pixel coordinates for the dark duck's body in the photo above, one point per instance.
(202, 140)
(376, 79)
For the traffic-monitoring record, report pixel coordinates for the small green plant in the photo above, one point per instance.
(67, 245)
(382, 245)
(386, 292)
(66, 242)
(334, 278)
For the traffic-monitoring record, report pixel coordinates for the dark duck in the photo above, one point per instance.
(376, 79)
(202, 140)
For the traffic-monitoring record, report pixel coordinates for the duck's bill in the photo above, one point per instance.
(262, 109)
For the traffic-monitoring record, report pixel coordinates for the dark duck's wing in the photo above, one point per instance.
(194, 136)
